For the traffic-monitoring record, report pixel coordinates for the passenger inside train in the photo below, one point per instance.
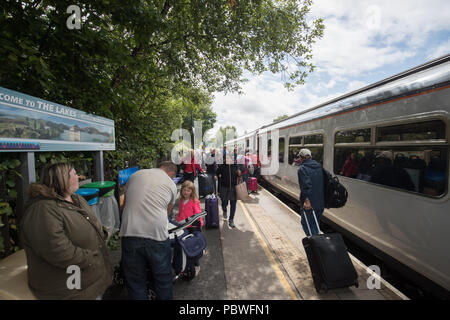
(413, 170)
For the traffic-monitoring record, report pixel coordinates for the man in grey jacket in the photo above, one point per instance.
(310, 180)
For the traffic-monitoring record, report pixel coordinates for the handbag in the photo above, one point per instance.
(241, 191)
(193, 243)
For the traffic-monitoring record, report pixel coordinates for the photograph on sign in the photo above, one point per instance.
(25, 119)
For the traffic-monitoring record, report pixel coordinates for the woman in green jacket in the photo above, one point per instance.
(64, 241)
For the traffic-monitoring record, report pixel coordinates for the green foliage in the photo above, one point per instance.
(282, 117)
(8, 227)
(224, 134)
(146, 64)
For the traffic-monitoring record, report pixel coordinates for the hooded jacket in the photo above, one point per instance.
(57, 234)
(310, 179)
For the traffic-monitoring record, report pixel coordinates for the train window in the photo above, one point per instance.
(429, 130)
(296, 140)
(314, 139)
(316, 152)
(269, 148)
(281, 150)
(353, 136)
(293, 152)
(421, 169)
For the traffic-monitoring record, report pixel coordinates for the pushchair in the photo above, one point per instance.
(188, 246)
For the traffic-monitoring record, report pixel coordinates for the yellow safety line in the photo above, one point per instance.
(274, 264)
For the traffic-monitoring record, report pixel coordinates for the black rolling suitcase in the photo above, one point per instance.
(330, 264)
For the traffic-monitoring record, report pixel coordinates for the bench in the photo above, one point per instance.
(14, 278)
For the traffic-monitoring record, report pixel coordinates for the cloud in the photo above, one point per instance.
(441, 50)
(361, 36)
(364, 41)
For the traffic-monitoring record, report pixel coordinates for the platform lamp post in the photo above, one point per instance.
(192, 131)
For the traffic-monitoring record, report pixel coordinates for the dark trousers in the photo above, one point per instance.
(189, 176)
(138, 256)
(232, 208)
(212, 175)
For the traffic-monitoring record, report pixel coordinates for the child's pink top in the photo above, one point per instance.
(189, 209)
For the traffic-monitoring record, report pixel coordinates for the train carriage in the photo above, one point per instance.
(389, 145)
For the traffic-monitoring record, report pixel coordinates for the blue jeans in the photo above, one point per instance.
(311, 221)
(138, 256)
(232, 208)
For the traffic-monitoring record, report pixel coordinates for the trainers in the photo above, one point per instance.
(231, 224)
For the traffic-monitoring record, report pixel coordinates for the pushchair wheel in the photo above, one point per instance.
(188, 274)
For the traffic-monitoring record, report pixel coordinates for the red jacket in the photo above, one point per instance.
(350, 168)
(189, 209)
(189, 167)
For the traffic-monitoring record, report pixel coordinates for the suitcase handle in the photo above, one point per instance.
(315, 219)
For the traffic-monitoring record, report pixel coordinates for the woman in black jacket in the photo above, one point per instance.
(228, 173)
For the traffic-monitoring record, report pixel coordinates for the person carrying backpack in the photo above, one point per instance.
(310, 180)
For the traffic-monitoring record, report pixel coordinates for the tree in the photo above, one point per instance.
(199, 105)
(282, 117)
(133, 61)
(224, 134)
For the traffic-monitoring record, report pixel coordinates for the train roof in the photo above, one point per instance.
(428, 75)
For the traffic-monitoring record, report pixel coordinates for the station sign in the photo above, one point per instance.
(31, 124)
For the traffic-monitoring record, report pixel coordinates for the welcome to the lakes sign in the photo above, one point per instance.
(31, 124)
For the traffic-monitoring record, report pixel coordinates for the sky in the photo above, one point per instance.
(364, 42)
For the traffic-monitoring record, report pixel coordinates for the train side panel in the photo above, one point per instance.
(411, 228)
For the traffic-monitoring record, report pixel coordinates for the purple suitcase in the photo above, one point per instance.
(212, 210)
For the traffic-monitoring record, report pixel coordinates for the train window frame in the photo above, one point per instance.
(269, 148)
(303, 145)
(296, 144)
(373, 144)
(416, 193)
(366, 143)
(413, 142)
(284, 149)
(313, 144)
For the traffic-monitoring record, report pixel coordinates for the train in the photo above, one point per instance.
(401, 122)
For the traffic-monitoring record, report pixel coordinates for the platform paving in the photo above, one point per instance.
(262, 259)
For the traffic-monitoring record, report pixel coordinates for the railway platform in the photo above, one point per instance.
(263, 259)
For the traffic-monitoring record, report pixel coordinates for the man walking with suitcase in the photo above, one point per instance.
(330, 264)
(310, 180)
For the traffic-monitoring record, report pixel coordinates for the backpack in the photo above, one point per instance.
(335, 194)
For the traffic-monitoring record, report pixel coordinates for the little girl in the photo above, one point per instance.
(190, 205)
